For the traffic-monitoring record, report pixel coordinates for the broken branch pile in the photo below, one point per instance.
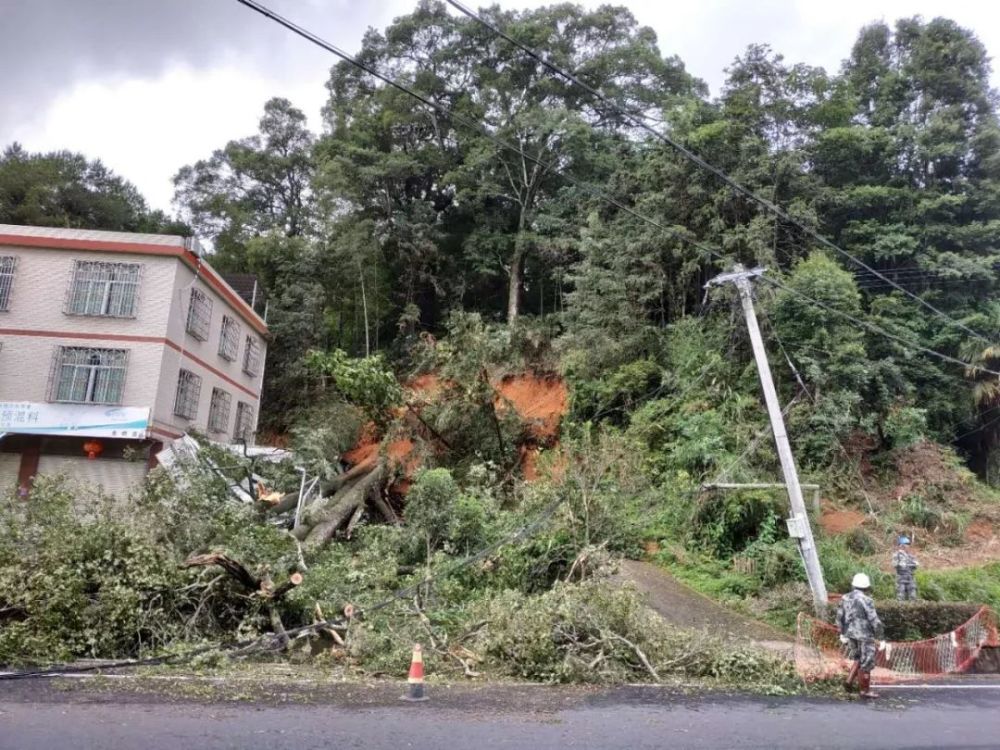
(380, 469)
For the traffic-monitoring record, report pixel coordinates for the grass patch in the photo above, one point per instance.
(980, 585)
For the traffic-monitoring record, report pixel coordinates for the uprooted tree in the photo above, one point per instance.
(444, 416)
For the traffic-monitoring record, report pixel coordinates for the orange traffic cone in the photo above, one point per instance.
(416, 679)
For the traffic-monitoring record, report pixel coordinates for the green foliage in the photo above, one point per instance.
(594, 632)
(833, 354)
(252, 186)
(479, 429)
(617, 395)
(913, 621)
(63, 189)
(905, 426)
(605, 492)
(728, 521)
(860, 542)
(978, 585)
(83, 585)
(367, 383)
(840, 564)
(918, 512)
(471, 347)
(430, 504)
(330, 430)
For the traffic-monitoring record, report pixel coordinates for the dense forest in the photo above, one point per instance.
(520, 231)
(598, 237)
(397, 215)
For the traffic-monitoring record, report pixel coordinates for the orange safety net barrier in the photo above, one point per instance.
(820, 655)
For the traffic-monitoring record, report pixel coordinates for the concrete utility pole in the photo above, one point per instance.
(798, 524)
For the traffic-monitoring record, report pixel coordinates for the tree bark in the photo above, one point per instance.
(364, 302)
(383, 507)
(517, 271)
(516, 280)
(289, 500)
(329, 519)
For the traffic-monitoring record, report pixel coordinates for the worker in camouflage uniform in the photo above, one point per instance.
(905, 564)
(859, 628)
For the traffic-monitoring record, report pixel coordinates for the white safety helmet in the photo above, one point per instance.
(861, 581)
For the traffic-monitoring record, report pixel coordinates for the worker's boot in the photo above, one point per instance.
(866, 686)
(851, 677)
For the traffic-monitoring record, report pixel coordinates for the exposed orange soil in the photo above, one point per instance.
(539, 400)
(926, 465)
(982, 547)
(980, 531)
(529, 462)
(841, 521)
(363, 453)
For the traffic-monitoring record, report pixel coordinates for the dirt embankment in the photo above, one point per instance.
(539, 400)
(929, 495)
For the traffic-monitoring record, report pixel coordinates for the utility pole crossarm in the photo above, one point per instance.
(737, 274)
(799, 522)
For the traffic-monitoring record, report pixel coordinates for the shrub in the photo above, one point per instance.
(618, 393)
(429, 505)
(727, 522)
(974, 585)
(840, 563)
(860, 542)
(911, 621)
(905, 426)
(83, 583)
(919, 512)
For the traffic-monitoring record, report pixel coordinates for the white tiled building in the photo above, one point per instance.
(117, 341)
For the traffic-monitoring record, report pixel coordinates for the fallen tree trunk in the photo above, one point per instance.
(325, 506)
(355, 472)
(329, 519)
(287, 502)
(327, 487)
(383, 507)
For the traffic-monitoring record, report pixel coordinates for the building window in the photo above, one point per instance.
(251, 357)
(199, 318)
(109, 289)
(244, 422)
(89, 376)
(7, 264)
(229, 341)
(188, 393)
(218, 413)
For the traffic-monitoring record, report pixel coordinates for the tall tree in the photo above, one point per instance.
(485, 209)
(63, 189)
(252, 186)
(910, 181)
(554, 122)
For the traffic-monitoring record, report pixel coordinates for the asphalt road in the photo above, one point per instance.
(34, 715)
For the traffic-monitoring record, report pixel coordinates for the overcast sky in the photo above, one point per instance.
(148, 86)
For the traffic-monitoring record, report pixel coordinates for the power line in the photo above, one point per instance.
(699, 161)
(478, 127)
(473, 125)
(266, 642)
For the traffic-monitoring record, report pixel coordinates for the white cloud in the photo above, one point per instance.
(147, 123)
(146, 129)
